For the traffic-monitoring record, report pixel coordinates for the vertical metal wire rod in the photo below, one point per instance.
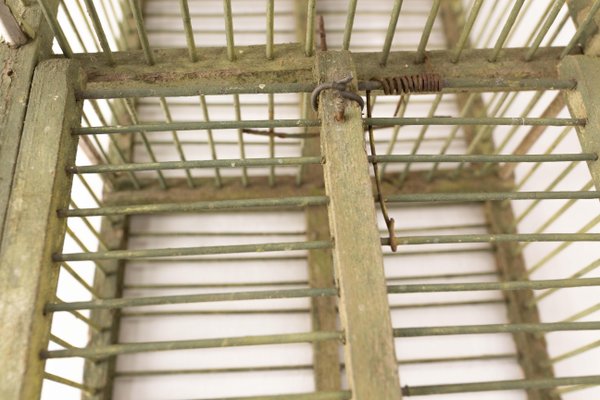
(559, 28)
(178, 147)
(549, 256)
(488, 22)
(536, 166)
(189, 31)
(506, 29)
(238, 117)
(464, 36)
(484, 130)
(90, 227)
(575, 352)
(79, 279)
(134, 119)
(229, 30)
(122, 34)
(270, 28)
(587, 269)
(349, 24)
(89, 189)
(139, 22)
(211, 142)
(389, 37)
(427, 32)
(544, 30)
(115, 145)
(310, 28)
(87, 24)
(424, 128)
(71, 22)
(56, 29)
(550, 187)
(450, 138)
(561, 210)
(582, 28)
(271, 139)
(400, 111)
(99, 30)
(520, 19)
(104, 121)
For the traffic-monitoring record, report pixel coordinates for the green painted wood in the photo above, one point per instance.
(590, 40)
(33, 232)
(585, 102)
(370, 359)
(290, 70)
(16, 72)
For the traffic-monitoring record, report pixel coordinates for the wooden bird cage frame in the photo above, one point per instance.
(89, 93)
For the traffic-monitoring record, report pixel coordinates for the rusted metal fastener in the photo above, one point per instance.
(341, 87)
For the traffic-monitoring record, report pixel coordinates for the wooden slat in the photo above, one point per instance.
(416, 182)
(33, 232)
(16, 72)
(585, 102)
(370, 357)
(326, 359)
(290, 69)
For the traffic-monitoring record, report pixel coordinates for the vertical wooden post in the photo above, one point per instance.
(326, 359)
(584, 102)
(370, 357)
(532, 349)
(16, 73)
(33, 231)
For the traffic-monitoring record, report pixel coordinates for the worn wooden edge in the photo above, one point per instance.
(289, 70)
(16, 73)
(584, 102)
(10, 29)
(323, 310)
(416, 182)
(579, 10)
(510, 263)
(33, 232)
(370, 357)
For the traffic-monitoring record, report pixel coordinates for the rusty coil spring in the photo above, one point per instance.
(404, 84)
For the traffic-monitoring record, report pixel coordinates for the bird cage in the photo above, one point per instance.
(302, 200)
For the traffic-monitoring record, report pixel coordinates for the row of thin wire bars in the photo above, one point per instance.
(549, 156)
(515, 11)
(182, 160)
(92, 31)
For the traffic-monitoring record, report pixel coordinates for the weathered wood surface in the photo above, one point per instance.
(416, 182)
(326, 358)
(16, 72)
(370, 359)
(214, 74)
(590, 40)
(9, 27)
(584, 102)
(33, 231)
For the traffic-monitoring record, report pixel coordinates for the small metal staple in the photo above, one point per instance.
(340, 86)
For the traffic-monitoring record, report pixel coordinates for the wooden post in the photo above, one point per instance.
(323, 310)
(584, 102)
(363, 304)
(532, 349)
(16, 73)
(33, 231)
